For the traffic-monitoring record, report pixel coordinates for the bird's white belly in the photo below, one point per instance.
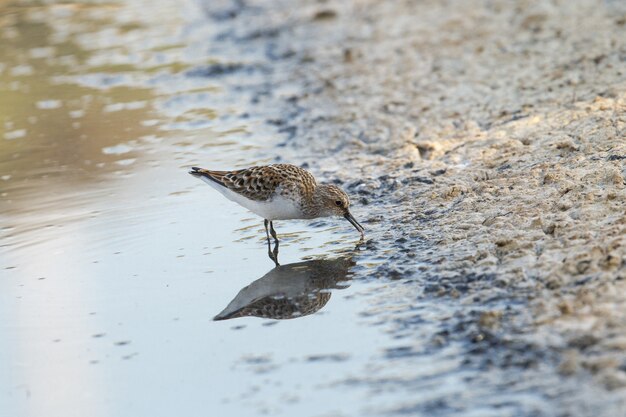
(279, 208)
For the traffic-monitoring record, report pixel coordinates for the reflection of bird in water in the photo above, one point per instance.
(289, 291)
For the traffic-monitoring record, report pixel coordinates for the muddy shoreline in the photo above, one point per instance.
(483, 143)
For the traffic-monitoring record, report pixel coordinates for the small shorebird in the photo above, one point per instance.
(279, 192)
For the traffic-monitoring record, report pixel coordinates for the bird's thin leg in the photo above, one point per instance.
(267, 233)
(273, 255)
(273, 232)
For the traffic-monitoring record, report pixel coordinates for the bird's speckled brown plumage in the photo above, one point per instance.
(261, 182)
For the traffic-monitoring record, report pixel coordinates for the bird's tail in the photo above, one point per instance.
(198, 172)
(215, 176)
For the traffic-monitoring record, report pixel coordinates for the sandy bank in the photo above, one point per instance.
(485, 142)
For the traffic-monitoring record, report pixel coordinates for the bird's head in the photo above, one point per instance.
(333, 201)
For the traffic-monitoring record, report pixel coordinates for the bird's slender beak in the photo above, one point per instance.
(354, 223)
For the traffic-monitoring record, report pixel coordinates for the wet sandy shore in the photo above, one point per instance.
(483, 142)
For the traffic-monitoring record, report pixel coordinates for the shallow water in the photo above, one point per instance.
(114, 261)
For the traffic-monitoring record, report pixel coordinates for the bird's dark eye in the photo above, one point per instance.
(339, 203)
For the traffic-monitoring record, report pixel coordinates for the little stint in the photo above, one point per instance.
(280, 192)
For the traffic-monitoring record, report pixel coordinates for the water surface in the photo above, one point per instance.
(114, 260)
